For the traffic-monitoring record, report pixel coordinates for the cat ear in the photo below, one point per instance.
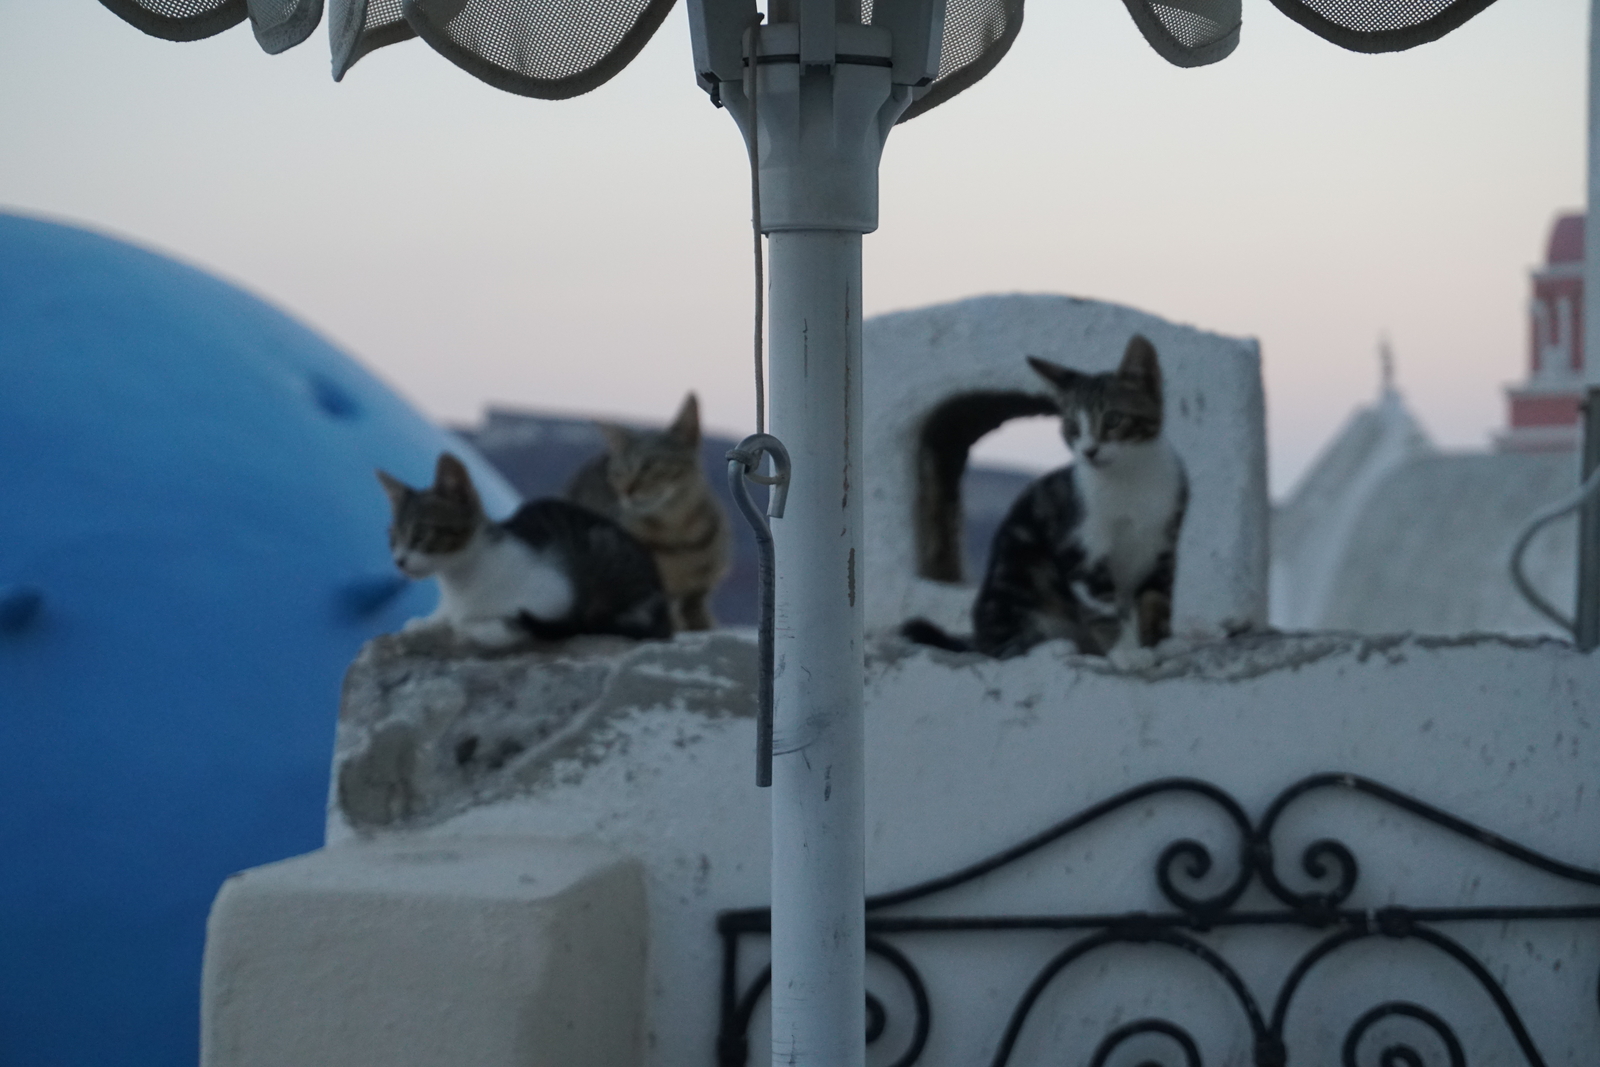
(1140, 366)
(397, 490)
(686, 424)
(450, 479)
(1064, 378)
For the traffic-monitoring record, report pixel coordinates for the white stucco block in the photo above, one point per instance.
(1215, 416)
(480, 952)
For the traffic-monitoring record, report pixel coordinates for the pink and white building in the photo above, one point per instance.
(1544, 415)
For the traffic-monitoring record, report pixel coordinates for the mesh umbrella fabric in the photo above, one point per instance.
(279, 25)
(1188, 33)
(356, 27)
(179, 20)
(549, 49)
(1380, 25)
(977, 36)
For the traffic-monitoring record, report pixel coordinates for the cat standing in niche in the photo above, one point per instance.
(552, 570)
(651, 482)
(1089, 551)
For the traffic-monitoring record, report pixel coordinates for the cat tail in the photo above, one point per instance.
(923, 632)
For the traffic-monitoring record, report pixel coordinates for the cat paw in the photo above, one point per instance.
(1132, 658)
(493, 634)
(1177, 645)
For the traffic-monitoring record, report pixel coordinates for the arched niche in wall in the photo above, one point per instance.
(936, 379)
(943, 446)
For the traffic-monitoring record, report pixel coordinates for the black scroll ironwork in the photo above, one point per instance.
(1325, 909)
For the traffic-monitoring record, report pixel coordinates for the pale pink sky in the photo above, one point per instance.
(592, 255)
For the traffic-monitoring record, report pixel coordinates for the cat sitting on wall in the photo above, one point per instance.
(652, 483)
(552, 570)
(1088, 552)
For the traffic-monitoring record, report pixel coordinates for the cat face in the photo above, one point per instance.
(431, 525)
(650, 471)
(1103, 416)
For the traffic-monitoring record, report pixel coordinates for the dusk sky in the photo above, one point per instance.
(592, 255)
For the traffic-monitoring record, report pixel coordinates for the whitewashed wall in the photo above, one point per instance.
(967, 755)
(915, 360)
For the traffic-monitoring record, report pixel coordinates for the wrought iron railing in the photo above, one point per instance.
(1324, 912)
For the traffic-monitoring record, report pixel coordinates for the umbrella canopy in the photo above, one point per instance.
(553, 49)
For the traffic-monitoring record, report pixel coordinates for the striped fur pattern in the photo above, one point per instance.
(552, 570)
(652, 483)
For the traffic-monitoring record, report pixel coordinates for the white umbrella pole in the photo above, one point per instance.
(818, 851)
(816, 93)
(824, 103)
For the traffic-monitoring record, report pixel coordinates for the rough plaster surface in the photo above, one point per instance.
(418, 953)
(429, 727)
(1215, 416)
(967, 755)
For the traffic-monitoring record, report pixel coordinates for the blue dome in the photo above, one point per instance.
(191, 551)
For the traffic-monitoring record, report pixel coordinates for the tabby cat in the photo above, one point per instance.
(653, 484)
(551, 570)
(1088, 552)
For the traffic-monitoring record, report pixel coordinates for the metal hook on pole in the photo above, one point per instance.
(744, 464)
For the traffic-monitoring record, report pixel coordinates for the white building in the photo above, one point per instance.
(1386, 533)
